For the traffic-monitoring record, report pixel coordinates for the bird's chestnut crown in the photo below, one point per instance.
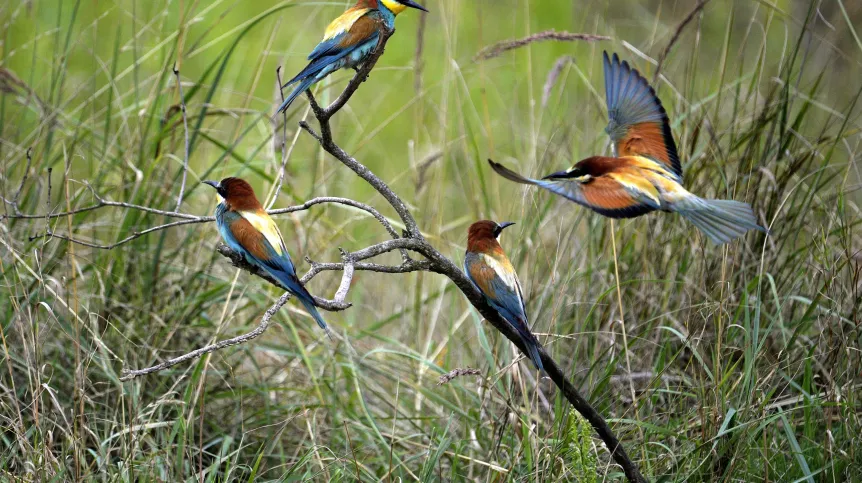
(233, 189)
(487, 229)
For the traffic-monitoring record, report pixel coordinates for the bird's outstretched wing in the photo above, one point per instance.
(615, 195)
(511, 175)
(637, 122)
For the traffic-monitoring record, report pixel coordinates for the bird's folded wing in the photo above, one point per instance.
(499, 283)
(261, 239)
(637, 122)
(350, 29)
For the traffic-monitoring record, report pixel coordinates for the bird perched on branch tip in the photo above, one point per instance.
(645, 174)
(247, 229)
(490, 270)
(347, 42)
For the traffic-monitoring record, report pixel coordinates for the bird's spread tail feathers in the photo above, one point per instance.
(509, 174)
(722, 221)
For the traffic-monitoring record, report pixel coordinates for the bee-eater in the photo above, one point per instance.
(247, 229)
(490, 270)
(644, 174)
(348, 41)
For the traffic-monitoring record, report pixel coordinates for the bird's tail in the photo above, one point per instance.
(532, 344)
(302, 87)
(509, 174)
(722, 221)
(311, 307)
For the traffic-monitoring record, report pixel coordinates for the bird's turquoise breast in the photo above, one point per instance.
(224, 219)
(361, 53)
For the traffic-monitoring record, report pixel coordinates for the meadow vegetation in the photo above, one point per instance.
(737, 363)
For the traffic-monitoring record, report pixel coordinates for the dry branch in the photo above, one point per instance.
(495, 50)
(260, 329)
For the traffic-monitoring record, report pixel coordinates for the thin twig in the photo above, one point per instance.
(186, 130)
(499, 48)
(688, 18)
(188, 219)
(260, 329)
(50, 234)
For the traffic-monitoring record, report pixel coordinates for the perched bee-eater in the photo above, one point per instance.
(490, 270)
(247, 229)
(644, 174)
(348, 41)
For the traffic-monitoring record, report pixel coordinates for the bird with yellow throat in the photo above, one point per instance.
(347, 42)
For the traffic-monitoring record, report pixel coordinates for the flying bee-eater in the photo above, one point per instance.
(490, 270)
(247, 229)
(644, 174)
(348, 41)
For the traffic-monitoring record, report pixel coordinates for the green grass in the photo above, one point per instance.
(745, 359)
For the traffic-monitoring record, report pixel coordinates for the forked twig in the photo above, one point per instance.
(260, 329)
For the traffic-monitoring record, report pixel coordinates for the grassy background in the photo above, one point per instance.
(743, 361)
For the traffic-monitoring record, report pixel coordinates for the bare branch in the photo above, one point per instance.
(260, 329)
(495, 50)
(101, 202)
(188, 219)
(186, 130)
(137, 234)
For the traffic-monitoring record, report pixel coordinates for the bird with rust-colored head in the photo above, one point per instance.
(645, 174)
(247, 229)
(490, 270)
(347, 42)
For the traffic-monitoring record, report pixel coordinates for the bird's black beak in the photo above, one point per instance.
(559, 175)
(501, 227)
(412, 4)
(214, 184)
